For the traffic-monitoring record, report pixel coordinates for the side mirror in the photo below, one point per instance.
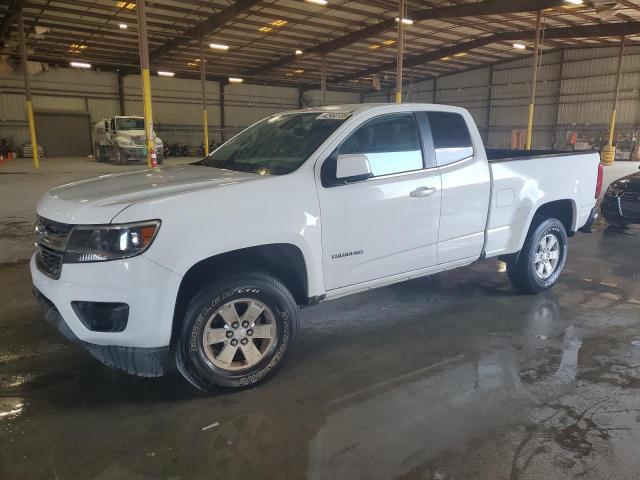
(353, 167)
(106, 126)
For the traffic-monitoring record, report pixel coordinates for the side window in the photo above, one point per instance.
(451, 138)
(390, 142)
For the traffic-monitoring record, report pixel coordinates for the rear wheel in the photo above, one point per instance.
(99, 153)
(120, 157)
(542, 257)
(237, 331)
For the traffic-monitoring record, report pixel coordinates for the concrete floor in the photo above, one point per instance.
(451, 377)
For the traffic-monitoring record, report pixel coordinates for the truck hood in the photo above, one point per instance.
(99, 200)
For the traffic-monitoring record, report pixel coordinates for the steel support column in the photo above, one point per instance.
(221, 85)
(489, 101)
(435, 89)
(203, 81)
(609, 152)
(146, 81)
(534, 81)
(558, 97)
(323, 81)
(121, 101)
(400, 52)
(27, 91)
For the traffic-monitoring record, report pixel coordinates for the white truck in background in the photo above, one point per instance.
(122, 139)
(203, 266)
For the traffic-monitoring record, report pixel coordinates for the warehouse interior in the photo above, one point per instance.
(451, 376)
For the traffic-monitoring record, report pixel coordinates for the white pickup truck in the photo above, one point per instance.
(204, 266)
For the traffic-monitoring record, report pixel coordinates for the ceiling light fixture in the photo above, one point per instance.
(80, 64)
(519, 46)
(574, 2)
(127, 5)
(406, 21)
(235, 80)
(219, 46)
(317, 2)
(123, 26)
(165, 74)
(298, 52)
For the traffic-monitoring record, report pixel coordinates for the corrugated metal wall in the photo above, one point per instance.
(574, 94)
(177, 105)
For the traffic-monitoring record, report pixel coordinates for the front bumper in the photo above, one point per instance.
(143, 362)
(150, 291)
(137, 153)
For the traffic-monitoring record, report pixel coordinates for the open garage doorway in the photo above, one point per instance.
(64, 133)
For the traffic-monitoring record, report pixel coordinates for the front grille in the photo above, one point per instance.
(49, 261)
(51, 239)
(630, 205)
(139, 140)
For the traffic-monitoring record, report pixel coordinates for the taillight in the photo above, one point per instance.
(599, 181)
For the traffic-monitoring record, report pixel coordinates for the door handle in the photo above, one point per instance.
(422, 192)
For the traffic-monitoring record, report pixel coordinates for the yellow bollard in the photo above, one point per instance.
(608, 155)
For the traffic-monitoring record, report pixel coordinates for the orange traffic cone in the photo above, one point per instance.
(154, 159)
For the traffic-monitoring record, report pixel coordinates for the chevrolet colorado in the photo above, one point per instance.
(204, 266)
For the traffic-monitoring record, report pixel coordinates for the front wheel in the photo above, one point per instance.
(542, 257)
(237, 332)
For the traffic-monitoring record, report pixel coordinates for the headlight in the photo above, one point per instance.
(158, 142)
(99, 243)
(614, 189)
(124, 141)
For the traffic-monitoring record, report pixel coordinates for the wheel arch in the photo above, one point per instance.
(283, 260)
(564, 210)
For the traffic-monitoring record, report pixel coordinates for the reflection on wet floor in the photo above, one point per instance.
(454, 376)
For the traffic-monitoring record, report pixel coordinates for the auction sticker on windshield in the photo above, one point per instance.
(333, 116)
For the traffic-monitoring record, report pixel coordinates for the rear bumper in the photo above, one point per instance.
(143, 362)
(593, 216)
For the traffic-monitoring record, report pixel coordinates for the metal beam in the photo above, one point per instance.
(400, 52)
(27, 90)
(203, 29)
(146, 84)
(489, 7)
(581, 31)
(10, 16)
(609, 151)
(121, 99)
(221, 84)
(534, 81)
(205, 116)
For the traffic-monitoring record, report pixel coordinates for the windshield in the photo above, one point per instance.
(129, 123)
(277, 145)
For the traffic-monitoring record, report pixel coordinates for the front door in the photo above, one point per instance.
(387, 224)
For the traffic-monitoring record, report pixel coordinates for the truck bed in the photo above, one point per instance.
(506, 155)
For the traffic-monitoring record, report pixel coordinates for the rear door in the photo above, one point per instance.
(387, 224)
(466, 186)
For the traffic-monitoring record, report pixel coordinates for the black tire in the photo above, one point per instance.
(120, 158)
(522, 272)
(191, 358)
(100, 157)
